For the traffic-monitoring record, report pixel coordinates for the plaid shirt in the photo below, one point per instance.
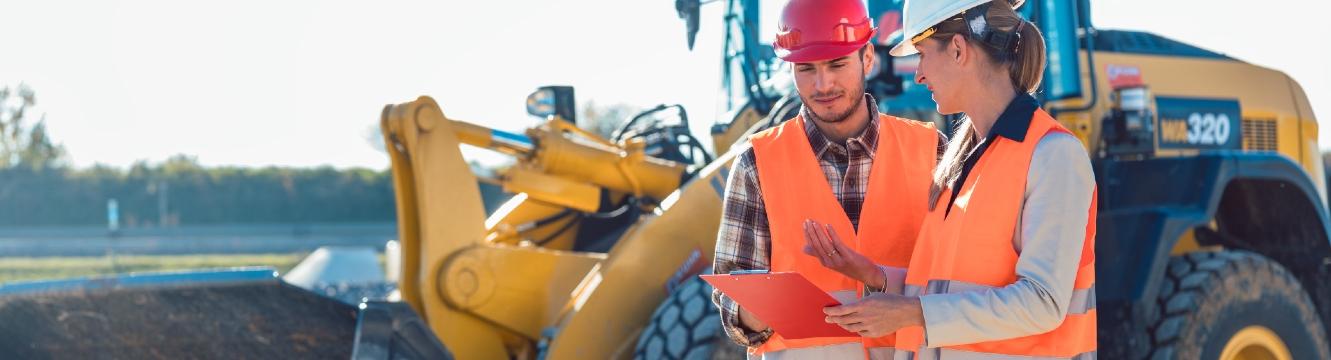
(744, 240)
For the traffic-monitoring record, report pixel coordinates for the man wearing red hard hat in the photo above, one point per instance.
(794, 200)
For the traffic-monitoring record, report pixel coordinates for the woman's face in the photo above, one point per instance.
(939, 70)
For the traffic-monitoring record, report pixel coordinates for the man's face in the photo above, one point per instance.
(833, 89)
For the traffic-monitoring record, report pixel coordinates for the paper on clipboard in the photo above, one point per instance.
(786, 301)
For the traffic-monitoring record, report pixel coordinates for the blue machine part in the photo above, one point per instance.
(1146, 205)
(191, 277)
(1197, 123)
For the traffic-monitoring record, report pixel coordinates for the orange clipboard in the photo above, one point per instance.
(786, 301)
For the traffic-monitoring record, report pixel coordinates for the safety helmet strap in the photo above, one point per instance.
(979, 29)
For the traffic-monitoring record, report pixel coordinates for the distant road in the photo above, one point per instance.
(202, 239)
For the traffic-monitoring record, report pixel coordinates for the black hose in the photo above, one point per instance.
(628, 206)
(552, 218)
(697, 145)
(617, 212)
(568, 225)
(628, 125)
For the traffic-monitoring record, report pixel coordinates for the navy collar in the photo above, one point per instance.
(1016, 118)
(1012, 124)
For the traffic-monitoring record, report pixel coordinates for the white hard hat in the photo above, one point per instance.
(922, 15)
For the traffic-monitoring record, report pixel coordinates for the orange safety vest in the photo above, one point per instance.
(971, 250)
(794, 188)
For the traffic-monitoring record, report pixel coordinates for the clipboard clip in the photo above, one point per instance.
(748, 272)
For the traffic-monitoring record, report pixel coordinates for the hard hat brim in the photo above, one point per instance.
(813, 53)
(917, 20)
(904, 48)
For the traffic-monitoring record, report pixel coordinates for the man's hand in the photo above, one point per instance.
(751, 322)
(823, 243)
(877, 315)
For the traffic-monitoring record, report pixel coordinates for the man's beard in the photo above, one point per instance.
(842, 116)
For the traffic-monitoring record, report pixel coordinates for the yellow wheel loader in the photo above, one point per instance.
(1212, 235)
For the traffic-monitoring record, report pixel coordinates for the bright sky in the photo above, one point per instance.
(301, 83)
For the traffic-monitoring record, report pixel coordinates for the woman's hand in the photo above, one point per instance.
(823, 243)
(877, 315)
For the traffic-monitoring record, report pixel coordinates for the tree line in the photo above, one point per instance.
(39, 188)
(180, 191)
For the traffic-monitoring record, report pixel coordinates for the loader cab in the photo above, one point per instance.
(757, 91)
(893, 83)
(753, 81)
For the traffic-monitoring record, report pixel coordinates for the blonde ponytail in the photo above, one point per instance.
(1025, 63)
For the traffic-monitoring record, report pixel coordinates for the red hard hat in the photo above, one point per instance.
(816, 30)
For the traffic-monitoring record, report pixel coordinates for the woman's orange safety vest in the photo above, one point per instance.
(971, 249)
(794, 188)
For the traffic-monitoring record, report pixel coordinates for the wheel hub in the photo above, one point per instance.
(1255, 342)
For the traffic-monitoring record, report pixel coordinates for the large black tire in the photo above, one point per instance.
(1208, 297)
(687, 326)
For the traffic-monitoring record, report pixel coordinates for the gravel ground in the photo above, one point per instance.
(252, 320)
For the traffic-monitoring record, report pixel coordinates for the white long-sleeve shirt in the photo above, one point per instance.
(1049, 238)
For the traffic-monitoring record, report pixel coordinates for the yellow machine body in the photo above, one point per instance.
(487, 290)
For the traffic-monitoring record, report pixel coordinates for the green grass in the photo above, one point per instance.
(44, 268)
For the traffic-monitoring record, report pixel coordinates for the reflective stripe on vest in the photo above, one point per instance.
(835, 351)
(1083, 300)
(794, 188)
(950, 354)
(959, 252)
(882, 353)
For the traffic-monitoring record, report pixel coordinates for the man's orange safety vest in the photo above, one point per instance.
(794, 188)
(970, 249)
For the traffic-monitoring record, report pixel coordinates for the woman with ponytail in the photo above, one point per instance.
(1004, 265)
